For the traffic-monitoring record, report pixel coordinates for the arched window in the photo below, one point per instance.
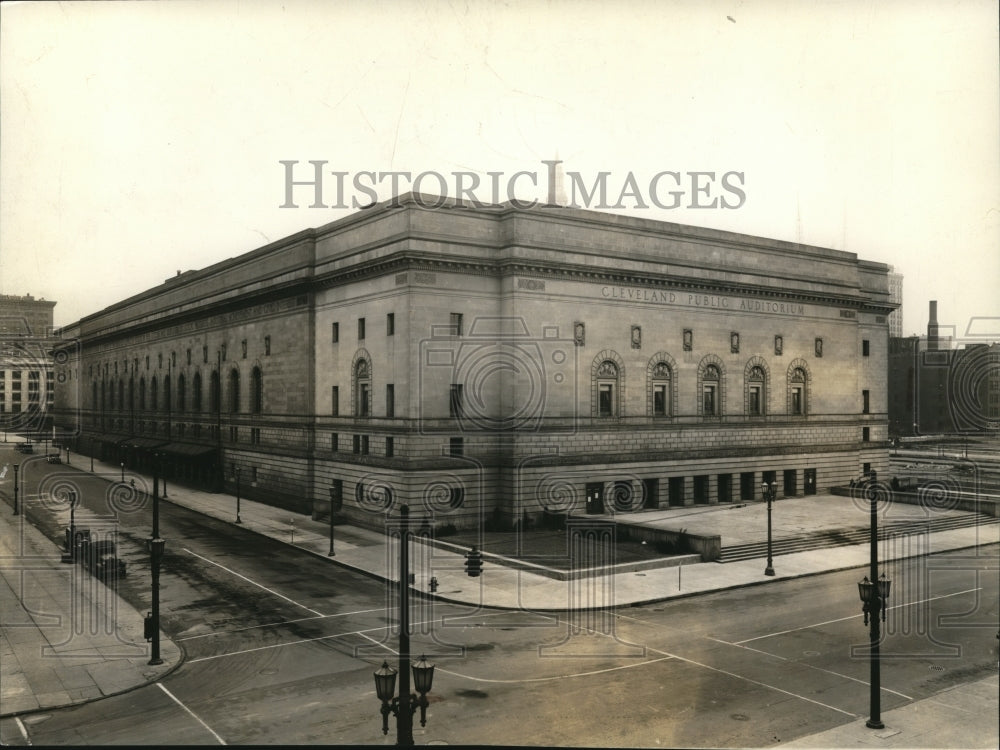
(607, 389)
(362, 388)
(94, 394)
(256, 391)
(214, 393)
(142, 394)
(131, 393)
(196, 392)
(154, 403)
(711, 384)
(756, 391)
(661, 381)
(167, 403)
(234, 390)
(798, 388)
(181, 397)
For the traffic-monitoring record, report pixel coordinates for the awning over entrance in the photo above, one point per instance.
(144, 443)
(188, 449)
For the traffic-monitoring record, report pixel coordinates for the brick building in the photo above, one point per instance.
(494, 362)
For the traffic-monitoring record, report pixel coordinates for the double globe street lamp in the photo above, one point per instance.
(405, 705)
(768, 491)
(874, 592)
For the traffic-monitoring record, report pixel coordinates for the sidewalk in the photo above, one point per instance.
(66, 637)
(941, 721)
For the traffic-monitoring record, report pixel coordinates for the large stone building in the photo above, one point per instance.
(26, 374)
(494, 362)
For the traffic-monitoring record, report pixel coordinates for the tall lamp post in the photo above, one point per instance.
(156, 548)
(405, 705)
(768, 491)
(874, 592)
(336, 503)
(236, 474)
(16, 467)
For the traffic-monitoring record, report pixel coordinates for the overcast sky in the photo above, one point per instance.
(138, 139)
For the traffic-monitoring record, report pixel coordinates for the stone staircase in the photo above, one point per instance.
(844, 537)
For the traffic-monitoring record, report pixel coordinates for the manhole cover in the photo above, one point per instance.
(739, 717)
(936, 668)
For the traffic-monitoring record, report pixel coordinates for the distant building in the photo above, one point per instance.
(494, 362)
(896, 297)
(935, 389)
(26, 373)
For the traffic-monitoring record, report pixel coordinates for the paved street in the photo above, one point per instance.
(280, 643)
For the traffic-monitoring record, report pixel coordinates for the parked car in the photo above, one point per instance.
(25, 448)
(53, 458)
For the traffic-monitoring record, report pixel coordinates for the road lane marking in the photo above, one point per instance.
(754, 682)
(555, 677)
(853, 617)
(191, 713)
(282, 622)
(804, 664)
(259, 585)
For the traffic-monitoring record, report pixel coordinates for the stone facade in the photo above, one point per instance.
(500, 363)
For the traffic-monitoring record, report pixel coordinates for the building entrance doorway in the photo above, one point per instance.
(809, 477)
(595, 498)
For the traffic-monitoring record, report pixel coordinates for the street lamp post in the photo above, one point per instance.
(123, 471)
(67, 455)
(16, 467)
(405, 704)
(874, 592)
(236, 473)
(156, 548)
(70, 555)
(768, 491)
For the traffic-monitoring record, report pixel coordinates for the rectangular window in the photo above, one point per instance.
(361, 329)
(865, 349)
(364, 445)
(866, 434)
(223, 352)
(364, 399)
(456, 324)
(243, 348)
(335, 398)
(755, 403)
(255, 435)
(457, 446)
(709, 400)
(335, 332)
(605, 400)
(357, 444)
(390, 447)
(267, 346)
(253, 474)
(204, 356)
(189, 356)
(797, 399)
(390, 324)
(455, 400)
(334, 440)
(234, 434)
(660, 400)
(866, 401)
(390, 400)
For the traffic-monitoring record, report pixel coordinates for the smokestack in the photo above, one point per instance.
(932, 328)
